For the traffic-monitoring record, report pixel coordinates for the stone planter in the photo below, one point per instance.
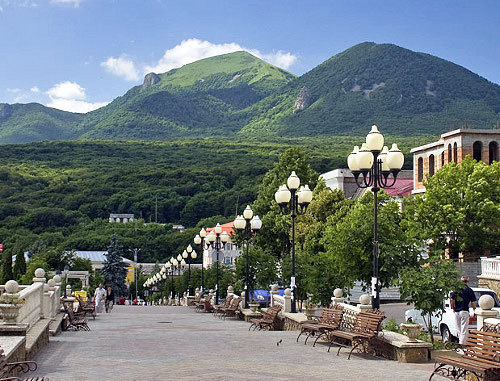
(310, 312)
(411, 330)
(10, 312)
(253, 306)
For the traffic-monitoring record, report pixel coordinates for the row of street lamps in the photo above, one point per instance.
(372, 166)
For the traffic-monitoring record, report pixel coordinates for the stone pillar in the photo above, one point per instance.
(364, 303)
(211, 296)
(68, 291)
(242, 304)
(274, 291)
(338, 296)
(40, 278)
(288, 300)
(486, 303)
(57, 280)
(230, 291)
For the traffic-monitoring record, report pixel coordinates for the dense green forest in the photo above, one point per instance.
(60, 194)
(404, 92)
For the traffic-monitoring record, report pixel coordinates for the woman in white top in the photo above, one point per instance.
(100, 298)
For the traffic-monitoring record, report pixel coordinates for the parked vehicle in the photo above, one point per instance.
(444, 323)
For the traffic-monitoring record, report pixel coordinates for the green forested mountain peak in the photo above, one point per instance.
(404, 92)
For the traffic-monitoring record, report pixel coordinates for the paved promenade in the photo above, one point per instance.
(176, 343)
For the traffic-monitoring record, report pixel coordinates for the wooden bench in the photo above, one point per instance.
(218, 309)
(329, 320)
(362, 331)
(269, 320)
(86, 308)
(232, 310)
(76, 322)
(481, 359)
(8, 369)
(196, 300)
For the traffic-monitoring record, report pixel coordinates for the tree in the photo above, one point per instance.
(114, 269)
(20, 265)
(348, 240)
(461, 208)
(274, 237)
(7, 266)
(428, 286)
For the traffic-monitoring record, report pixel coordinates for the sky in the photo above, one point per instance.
(78, 55)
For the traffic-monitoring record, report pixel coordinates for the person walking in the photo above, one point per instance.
(460, 305)
(110, 299)
(99, 298)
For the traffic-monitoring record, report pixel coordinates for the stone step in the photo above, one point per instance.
(37, 337)
(56, 325)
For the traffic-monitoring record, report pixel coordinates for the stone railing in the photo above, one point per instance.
(28, 304)
(284, 301)
(490, 268)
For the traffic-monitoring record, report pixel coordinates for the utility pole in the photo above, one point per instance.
(156, 209)
(136, 251)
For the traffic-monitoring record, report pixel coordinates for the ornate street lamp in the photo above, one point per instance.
(372, 166)
(248, 225)
(189, 254)
(200, 240)
(293, 200)
(217, 240)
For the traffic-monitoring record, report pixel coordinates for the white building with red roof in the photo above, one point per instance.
(227, 255)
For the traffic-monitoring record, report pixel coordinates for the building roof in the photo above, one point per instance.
(402, 187)
(228, 228)
(96, 256)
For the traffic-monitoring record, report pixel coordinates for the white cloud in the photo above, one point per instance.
(75, 3)
(194, 49)
(35, 89)
(70, 96)
(67, 90)
(121, 67)
(18, 3)
(14, 90)
(74, 105)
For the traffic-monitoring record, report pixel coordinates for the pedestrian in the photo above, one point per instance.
(99, 298)
(460, 305)
(110, 299)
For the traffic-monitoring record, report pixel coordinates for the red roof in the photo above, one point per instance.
(402, 187)
(228, 228)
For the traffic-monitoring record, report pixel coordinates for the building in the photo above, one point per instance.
(454, 146)
(117, 217)
(228, 255)
(343, 180)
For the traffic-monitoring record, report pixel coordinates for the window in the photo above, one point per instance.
(477, 147)
(432, 165)
(442, 159)
(455, 153)
(420, 170)
(227, 260)
(493, 148)
(449, 154)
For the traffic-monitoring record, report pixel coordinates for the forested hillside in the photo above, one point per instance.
(60, 194)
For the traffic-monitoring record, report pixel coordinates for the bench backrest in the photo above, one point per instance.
(208, 303)
(332, 316)
(228, 301)
(272, 313)
(235, 303)
(368, 322)
(483, 345)
(69, 310)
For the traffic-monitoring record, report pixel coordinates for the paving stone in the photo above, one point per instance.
(176, 343)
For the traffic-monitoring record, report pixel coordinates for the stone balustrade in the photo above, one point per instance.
(284, 301)
(490, 267)
(26, 305)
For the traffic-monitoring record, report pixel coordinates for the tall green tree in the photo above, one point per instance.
(348, 241)
(427, 286)
(19, 265)
(114, 269)
(274, 236)
(460, 209)
(7, 266)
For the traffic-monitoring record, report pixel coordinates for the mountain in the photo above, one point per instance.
(23, 123)
(404, 92)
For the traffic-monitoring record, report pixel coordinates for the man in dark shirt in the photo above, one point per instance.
(460, 304)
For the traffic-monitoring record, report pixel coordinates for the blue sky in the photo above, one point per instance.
(79, 54)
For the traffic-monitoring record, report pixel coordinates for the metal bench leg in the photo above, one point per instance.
(352, 350)
(301, 332)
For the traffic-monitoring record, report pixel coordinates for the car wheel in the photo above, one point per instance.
(446, 334)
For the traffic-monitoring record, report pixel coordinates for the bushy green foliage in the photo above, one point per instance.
(6, 273)
(20, 265)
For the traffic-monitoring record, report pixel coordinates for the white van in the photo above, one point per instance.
(444, 323)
